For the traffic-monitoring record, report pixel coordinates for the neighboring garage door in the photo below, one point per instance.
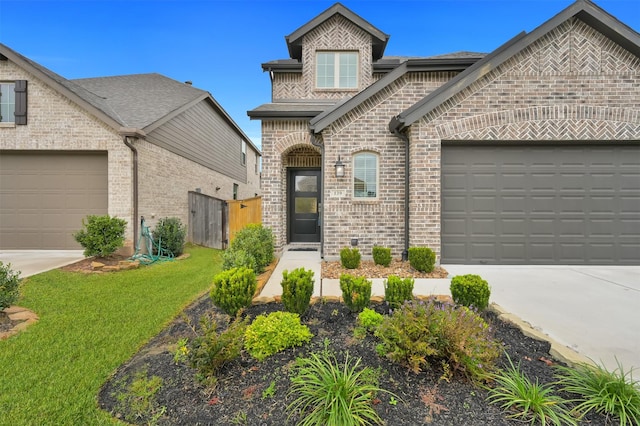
(44, 196)
(541, 204)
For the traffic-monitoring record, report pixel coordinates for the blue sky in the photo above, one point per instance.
(220, 44)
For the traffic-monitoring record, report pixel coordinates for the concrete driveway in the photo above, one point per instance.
(592, 309)
(32, 262)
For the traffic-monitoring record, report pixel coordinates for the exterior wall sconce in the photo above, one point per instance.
(339, 168)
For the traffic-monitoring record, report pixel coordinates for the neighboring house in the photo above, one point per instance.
(128, 146)
(528, 155)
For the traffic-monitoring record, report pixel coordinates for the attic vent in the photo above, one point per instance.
(188, 82)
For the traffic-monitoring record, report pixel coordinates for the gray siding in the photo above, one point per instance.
(201, 135)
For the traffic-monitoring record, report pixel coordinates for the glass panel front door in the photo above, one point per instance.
(304, 205)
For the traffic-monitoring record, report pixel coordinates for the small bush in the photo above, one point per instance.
(370, 319)
(381, 255)
(238, 259)
(350, 258)
(268, 335)
(139, 400)
(470, 290)
(257, 241)
(356, 292)
(527, 401)
(233, 289)
(614, 393)
(9, 286)
(169, 234)
(297, 288)
(211, 350)
(398, 290)
(422, 259)
(327, 393)
(101, 235)
(420, 331)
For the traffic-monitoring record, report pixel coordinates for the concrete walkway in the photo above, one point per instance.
(590, 309)
(32, 262)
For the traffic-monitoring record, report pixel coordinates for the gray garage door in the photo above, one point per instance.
(43, 197)
(541, 204)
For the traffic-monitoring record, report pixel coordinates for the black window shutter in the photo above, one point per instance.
(21, 101)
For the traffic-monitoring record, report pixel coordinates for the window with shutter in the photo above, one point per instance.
(13, 102)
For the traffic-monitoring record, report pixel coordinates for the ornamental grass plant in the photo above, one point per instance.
(327, 393)
(528, 401)
(613, 393)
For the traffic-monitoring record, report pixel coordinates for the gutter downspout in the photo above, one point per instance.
(320, 145)
(405, 138)
(134, 134)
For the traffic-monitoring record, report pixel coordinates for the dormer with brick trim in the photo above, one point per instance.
(331, 56)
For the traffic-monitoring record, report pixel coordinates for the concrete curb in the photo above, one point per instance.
(558, 350)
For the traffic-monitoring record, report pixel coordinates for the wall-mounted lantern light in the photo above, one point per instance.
(339, 168)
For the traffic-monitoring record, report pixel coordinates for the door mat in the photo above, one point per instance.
(303, 249)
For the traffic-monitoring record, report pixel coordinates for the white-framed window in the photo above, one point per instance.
(7, 102)
(244, 153)
(365, 175)
(337, 70)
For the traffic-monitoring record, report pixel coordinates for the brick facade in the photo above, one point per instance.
(571, 84)
(57, 124)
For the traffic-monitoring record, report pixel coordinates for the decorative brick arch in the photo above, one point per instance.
(552, 122)
(292, 141)
(365, 148)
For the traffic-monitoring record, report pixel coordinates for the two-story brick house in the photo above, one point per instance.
(128, 146)
(528, 154)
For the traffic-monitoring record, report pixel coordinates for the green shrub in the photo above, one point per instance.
(470, 290)
(327, 393)
(398, 290)
(297, 288)
(356, 292)
(422, 259)
(169, 234)
(233, 289)
(257, 241)
(139, 400)
(101, 235)
(211, 350)
(381, 255)
(613, 393)
(268, 335)
(9, 285)
(527, 401)
(370, 319)
(419, 331)
(238, 259)
(350, 258)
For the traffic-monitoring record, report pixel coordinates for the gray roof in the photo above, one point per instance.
(292, 109)
(584, 10)
(142, 99)
(379, 39)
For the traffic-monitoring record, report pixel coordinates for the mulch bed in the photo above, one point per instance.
(369, 269)
(238, 396)
(84, 265)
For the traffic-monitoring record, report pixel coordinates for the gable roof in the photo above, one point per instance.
(585, 10)
(379, 39)
(141, 101)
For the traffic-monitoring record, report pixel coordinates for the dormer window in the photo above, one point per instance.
(337, 70)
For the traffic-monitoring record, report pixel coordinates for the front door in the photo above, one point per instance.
(304, 205)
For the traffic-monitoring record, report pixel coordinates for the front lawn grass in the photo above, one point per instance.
(89, 325)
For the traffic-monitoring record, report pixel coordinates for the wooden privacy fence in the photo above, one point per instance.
(242, 213)
(207, 220)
